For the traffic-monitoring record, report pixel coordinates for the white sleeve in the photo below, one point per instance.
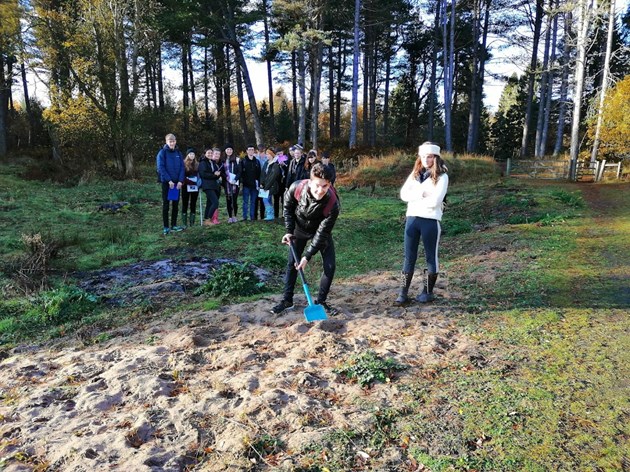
(411, 190)
(436, 197)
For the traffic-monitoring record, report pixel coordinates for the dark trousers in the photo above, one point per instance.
(165, 203)
(212, 203)
(232, 203)
(328, 259)
(276, 205)
(429, 230)
(260, 209)
(189, 198)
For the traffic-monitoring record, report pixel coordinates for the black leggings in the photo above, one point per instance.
(328, 259)
(189, 197)
(232, 203)
(165, 203)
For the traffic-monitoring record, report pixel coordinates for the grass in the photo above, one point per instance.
(542, 270)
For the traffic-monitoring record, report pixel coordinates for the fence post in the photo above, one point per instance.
(508, 167)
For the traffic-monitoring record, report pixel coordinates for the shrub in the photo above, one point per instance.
(62, 305)
(367, 368)
(30, 271)
(232, 280)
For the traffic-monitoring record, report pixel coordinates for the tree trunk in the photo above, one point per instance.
(241, 105)
(331, 93)
(568, 20)
(318, 58)
(388, 68)
(219, 78)
(550, 80)
(580, 68)
(253, 107)
(294, 93)
(4, 108)
(341, 70)
(160, 80)
(185, 105)
(472, 100)
(432, 92)
(544, 84)
(355, 76)
(206, 95)
(366, 87)
(532, 76)
(193, 95)
(272, 120)
(227, 96)
(604, 89)
(27, 104)
(301, 63)
(448, 42)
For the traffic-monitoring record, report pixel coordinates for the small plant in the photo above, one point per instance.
(62, 305)
(232, 280)
(572, 199)
(263, 446)
(367, 368)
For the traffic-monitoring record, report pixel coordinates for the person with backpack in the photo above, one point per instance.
(250, 177)
(424, 191)
(311, 209)
(170, 168)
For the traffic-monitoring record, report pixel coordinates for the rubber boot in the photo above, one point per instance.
(403, 293)
(185, 220)
(191, 221)
(215, 217)
(427, 293)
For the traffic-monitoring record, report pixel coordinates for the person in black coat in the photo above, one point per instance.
(210, 171)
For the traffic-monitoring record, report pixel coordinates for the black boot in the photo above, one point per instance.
(403, 293)
(427, 293)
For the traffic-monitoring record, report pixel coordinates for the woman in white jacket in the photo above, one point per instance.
(424, 191)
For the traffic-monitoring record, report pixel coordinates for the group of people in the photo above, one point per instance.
(304, 186)
(261, 177)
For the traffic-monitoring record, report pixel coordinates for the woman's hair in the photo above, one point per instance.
(307, 164)
(270, 152)
(439, 167)
(190, 163)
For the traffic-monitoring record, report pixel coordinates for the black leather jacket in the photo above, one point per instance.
(305, 218)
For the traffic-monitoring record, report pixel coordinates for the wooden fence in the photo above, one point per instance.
(560, 169)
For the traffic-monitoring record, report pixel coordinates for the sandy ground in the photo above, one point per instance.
(192, 391)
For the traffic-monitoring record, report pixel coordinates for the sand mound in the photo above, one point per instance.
(206, 384)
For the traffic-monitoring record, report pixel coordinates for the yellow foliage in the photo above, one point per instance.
(615, 130)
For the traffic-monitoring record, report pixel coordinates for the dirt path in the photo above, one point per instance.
(203, 386)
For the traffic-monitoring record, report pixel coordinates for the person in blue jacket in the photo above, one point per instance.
(170, 168)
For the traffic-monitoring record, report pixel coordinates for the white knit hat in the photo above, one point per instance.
(426, 149)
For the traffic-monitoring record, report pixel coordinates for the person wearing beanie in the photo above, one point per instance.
(170, 168)
(424, 191)
(211, 172)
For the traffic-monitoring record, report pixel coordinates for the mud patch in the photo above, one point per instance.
(151, 280)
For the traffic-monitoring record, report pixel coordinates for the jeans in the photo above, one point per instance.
(212, 203)
(165, 204)
(427, 229)
(250, 194)
(328, 259)
(269, 214)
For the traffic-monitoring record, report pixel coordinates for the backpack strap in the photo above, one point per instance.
(329, 204)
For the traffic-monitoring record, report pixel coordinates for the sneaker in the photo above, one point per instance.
(166, 230)
(330, 311)
(177, 229)
(281, 307)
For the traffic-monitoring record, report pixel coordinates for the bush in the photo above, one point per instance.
(62, 305)
(232, 280)
(367, 368)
